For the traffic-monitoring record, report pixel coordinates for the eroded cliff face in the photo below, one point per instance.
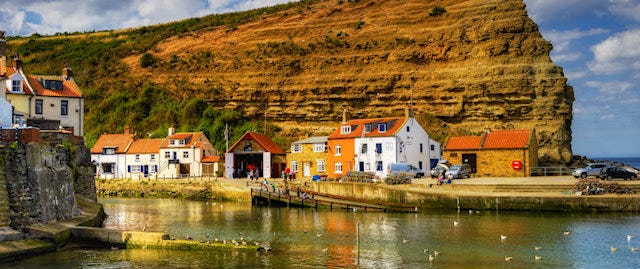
(481, 64)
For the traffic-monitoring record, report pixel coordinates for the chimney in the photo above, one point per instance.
(408, 111)
(127, 130)
(17, 62)
(171, 131)
(346, 115)
(67, 74)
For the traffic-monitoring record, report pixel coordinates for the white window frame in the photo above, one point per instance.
(320, 165)
(319, 147)
(338, 167)
(379, 166)
(185, 154)
(167, 154)
(152, 158)
(172, 142)
(181, 142)
(136, 169)
(382, 128)
(346, 129)
(152, 169)
(296, 148)
(109, 151)
(367, 128)
(294, 166)
(16, 85)
(364, 149)
(137, 157)
(338, 150)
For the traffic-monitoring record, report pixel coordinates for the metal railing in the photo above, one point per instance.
(550, 171)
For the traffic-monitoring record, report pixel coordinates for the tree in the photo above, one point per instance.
(147, 60)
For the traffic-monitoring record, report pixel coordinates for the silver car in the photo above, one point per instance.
(592, 169)
(458, 171)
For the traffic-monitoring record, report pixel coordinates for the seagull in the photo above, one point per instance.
(537, 248)
(629, 237)
(425, 251)
(319, 235)
(436, 253)
(503, 237)
(431, 258)
(404, 241)
(508, 258)
(634, 249)
(536, 257)
(470, 211)
(456, 223)
(614, 249)
(566, 233)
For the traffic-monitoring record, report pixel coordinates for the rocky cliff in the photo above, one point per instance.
(480, 64)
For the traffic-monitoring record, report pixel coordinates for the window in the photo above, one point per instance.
(53, 84)
(152, 158)
(167, 155)
(296, 148)
(172, 142)
(367, 128)
(64, 107)
(16, 85)
(345, 129)
(135, 169)
(137, 157)
(38, 106)
(364, 149)
(320, 165)
(378, 148)
(338, 150)
(453, 154)
(420, 165)
(407, 129)
(379, 166)
(294, 166)
(433, 147)
(185, 154)
(338, 167)
(107, 168)
(181, 142)
(153, 168)
(318, 147)
(420, 147)
(382, 127)
(108, 151)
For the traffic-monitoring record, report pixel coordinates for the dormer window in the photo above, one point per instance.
(16, 85)
(345, 129)
(52, 84)
(382, 127)
(181, 142)
(108, 151)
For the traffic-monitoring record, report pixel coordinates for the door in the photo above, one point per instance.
(306, 169)
(470, 159)
(146, 170)
(361, 164)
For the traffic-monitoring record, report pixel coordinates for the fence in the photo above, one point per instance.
(550, 171)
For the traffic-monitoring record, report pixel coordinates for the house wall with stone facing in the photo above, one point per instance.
(497, 162)
(307, 155)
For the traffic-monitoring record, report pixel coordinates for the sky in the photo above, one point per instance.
(596, 42)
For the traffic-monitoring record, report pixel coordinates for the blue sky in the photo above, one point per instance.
(597, 42)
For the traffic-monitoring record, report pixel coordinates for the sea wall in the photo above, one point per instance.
(193, 189)
(428, 199)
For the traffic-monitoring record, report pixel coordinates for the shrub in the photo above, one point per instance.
(437, 11)
(147, 60)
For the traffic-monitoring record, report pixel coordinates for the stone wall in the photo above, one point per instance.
(42, 181)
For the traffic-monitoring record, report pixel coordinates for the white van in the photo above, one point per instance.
(405, 169)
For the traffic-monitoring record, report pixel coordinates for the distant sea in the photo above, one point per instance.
(635, 162)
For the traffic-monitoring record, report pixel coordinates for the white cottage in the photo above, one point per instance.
(181, 154)
(108, 154)
(143, 158)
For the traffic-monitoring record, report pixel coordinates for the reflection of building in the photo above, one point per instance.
(495, 153)
(257, 151)
(308, 156)
(371, 145)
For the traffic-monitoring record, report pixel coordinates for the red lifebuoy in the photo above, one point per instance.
(516, 165)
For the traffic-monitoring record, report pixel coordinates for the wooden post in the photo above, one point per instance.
(358, 242)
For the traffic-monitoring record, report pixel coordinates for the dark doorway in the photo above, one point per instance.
(244, 162)
(470, 159)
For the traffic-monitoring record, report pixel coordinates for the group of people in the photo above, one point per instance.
(288, 173)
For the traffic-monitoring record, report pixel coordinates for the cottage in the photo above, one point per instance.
(142, 158)
(371, 145)
(308, 156)
(498, 153)
(108, 154)
(181, 154)
(254, 151)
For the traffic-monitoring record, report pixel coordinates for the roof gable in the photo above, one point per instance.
(120, 142)
(392, 124)
(507, 139)
(264, 141)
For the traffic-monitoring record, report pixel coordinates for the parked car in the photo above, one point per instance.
(592, 169)
(458, 171)
(439, 169)
(609, 173)
(405, 169)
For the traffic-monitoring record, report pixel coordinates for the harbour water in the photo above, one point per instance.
(305, 238)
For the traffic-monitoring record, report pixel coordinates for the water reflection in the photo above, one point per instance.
(305, 238)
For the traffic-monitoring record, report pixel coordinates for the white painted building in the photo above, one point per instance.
(142, 159)
(108, 154)
(181, 154)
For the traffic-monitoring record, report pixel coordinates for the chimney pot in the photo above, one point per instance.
(171, 131)
(346, 115)
(17, 62)
(127, 130)
(67, 73)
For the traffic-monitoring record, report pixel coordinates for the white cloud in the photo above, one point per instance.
(567, 57)
(561, 40)
(618, 53)
(610, 89)
(626, 8)
(546, 10)
(571, 75)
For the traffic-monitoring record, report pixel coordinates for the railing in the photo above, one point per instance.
(550, 171)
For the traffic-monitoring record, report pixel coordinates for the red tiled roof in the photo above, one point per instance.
(145, 146)
(210, 159)
(507, 139)
(357, 126)
(463, 142)
(190, 139)
(119, 141)
(25, 87)
(261, 139)
(69, 88)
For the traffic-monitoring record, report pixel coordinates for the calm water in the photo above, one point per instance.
(635, 162)
(304, 238)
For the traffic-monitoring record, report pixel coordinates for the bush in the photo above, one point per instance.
(437, 11)
(147, 60)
